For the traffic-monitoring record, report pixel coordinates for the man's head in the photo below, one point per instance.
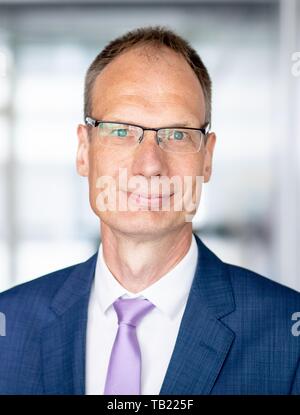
(152, 78)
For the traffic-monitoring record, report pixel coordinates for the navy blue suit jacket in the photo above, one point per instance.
(235, 335)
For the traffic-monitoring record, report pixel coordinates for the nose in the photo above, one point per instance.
(149, 158)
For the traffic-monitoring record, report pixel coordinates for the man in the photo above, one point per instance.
(154, 311)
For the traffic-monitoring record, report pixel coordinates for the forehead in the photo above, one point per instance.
(148, 77)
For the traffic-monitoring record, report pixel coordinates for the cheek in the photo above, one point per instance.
(101, 162)
(104, 162)
(187, 165)
(98, 167)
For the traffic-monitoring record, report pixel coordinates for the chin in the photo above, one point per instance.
(142, 223)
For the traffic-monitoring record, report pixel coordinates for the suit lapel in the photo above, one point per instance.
(203, 341)
(64, 340)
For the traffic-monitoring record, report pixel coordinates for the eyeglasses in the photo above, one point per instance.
(170, 139)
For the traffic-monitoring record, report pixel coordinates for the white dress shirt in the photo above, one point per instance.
(157, 331)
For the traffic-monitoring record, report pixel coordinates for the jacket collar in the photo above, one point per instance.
(76, 286)
(212, 282)
(203, 341)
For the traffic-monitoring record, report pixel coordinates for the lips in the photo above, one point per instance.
(146, 196)
(153, 200)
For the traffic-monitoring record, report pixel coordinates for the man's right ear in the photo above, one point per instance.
(82, 158)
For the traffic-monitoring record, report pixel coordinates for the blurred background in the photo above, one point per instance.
(249, 212)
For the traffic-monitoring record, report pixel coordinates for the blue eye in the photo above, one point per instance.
(178, 135)
(120, 132)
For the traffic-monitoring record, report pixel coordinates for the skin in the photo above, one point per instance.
(152, 88)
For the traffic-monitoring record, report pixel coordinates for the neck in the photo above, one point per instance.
(137, 262)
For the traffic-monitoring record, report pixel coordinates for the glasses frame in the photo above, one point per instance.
(204, 129)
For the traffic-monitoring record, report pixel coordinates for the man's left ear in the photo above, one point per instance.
(208, 156)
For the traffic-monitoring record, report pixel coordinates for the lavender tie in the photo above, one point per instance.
(124, 369)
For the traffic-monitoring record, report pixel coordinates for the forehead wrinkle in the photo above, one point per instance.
(148, 100)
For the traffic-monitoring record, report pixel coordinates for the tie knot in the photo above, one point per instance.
(131, 311)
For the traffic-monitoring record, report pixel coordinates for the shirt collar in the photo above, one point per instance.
(177, 281)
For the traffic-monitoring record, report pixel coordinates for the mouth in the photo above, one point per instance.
(153, 200)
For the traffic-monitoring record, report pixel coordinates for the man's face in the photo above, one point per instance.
(153, 89)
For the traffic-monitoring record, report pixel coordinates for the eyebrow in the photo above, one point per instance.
(183, 124)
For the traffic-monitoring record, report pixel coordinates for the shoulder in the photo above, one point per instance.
(32, 300)
(251, 280)
(254, 291)
(245, 283)
(44, 285)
